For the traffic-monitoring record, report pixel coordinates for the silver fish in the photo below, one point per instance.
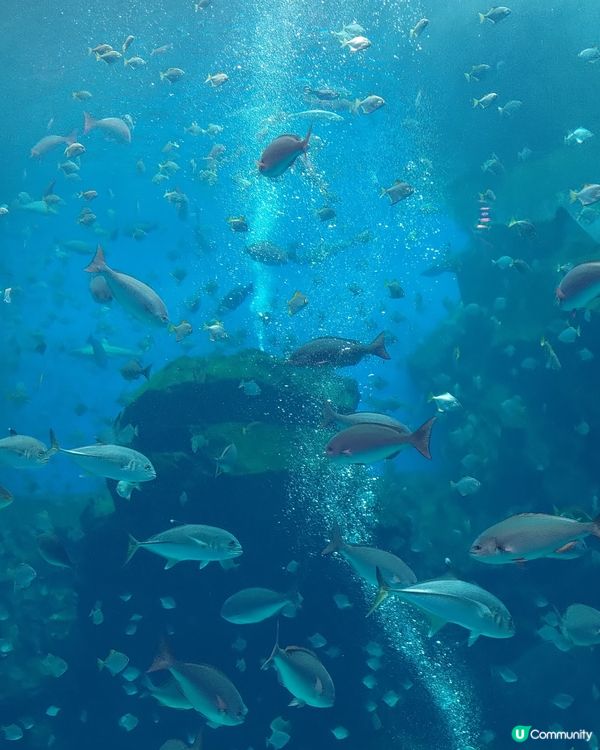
(24, 452)
(529, 536)
(257, 604)
(580, 624)
(110, 461)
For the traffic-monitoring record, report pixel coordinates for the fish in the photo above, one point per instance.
(73, 150)
(395, 290)
(24, 452)
(110, 461)
(330, 351)
(397, 192)
(451, 600)
(253, 605)
(578, 136)
(53, 550)
(510, 108)
(580, 624)
(587, 196)
(369, 443)
(580, 287)
(302, 674)
(135, 62)
(115, 662)
(366, 560)
(113, 126)
(530, 536)
(477, 72)
(418, 28)
(485, 101)
(238, 223)
(357, 44)
(133, 370)
(190, 542)
(326, 213)
(168, 694)
(209, 691)
(324, 93)
(235, 297)
(523, 227)
(466, 486)
(319, 115)
(171, 74)
(217, 79)
(181, 331)
(495, 14)
(133, 295)
(81, 96)
(330, 416)
(216, 331)
(281, 153)
(445, 402)
(6, 497)
(268, 253)
(589, 54)
(296, 302)
(49, 142)
(368, 105)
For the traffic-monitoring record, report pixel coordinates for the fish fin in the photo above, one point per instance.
(568, 547)
(295, 703)
(199, 542)
(382, 593)
(221, 705)
(72, 137)
(266, 664)
(133, 547)
(473, 636)
(307, 137)
(377, 347)
(146, 372)
(572, 196)
(435, 625)
(197, 745)
(393, 455)
(12, 432)
(475, 103)
(163, 660)
(98, 263)
(420, 438)
(89, 122)
(481, 18)
(203, 564)
(318, 686)
(328, 416)
(228, 564)
(336, 543)
(170, 563)
(100, 664)
(54, 446)
(596, 526)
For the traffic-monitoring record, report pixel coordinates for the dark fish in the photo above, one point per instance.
(324, 94)
(52, 549)
(281, 153)
(331, 417)
(234, 298)
(100, 357)
(335, 352)
(134, 369)
(268, 253)
(368, 443)
(579, 287)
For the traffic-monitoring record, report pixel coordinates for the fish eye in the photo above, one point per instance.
(476, 548)
(148, 467)
(232, 543)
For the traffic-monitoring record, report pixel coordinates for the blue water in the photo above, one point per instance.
(428, 134)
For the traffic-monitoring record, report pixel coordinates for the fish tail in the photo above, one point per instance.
(377, 347)
(54, 446)
(307, 137)
(133, 547)
(146, 372)
(100, 664)
(267, 663)
(98, 263)
(481, 17)
(336, 543)
(382, 593)
(420, 438)
(354, 107)
(72, 137)
(468, 77)
(596, 526)
(475, 102)
(328, 416)
(89, 122)
(162, 660)
(572, 196)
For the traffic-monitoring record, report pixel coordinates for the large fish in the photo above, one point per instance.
(113, 126)
(368, 443)
(49, 142)
(203, 544)
(209, 691)
(450, 600)
(234, 298)
(24, 452)
(330, 416)
(168, 694)
(110, 461)
(281, 153)
(530, 536)
(335, 352)
(133, 295)
(268, 253)
(257, 604)
(301, 672)
(580, 287)
(366, 561)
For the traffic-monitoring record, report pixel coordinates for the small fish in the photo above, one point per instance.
(523, 227)
(466, 486)
(395, 290)
(190, 542)
(368, 105)
(357, 44)
(161, 50)
(181, 331)
(495, 14)
(445, 402)
(6, 497)
(296, 303)
(23, 576)
(250, 388)
(216, 331)
(172, 75)
(127, 43)
(569, 335)
(281, 153)
(578, 136)
(510, 108)
(133, 370)
(485, 101)
(81, 96)
(135, 62)
(53, 550)
(238, 223)
(326, 213)
(580, 625)
(418, 28)
(216, 80)
(530, 536)
(115, 662)
(24, 452)
(552, 361)
(477, 72)
(589, 55)
(74, 149)
(587, 196)
(397, 192)
(319, 115)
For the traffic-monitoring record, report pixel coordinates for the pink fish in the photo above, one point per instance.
(48, 142)
(114, 126)
(281, 153)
